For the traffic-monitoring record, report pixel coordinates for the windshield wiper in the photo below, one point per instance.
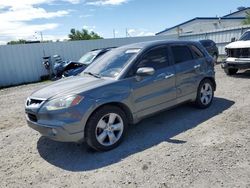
(93, 74)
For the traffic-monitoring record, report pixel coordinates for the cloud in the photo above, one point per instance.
(24, 3)
(89, 27)
(24, 31)
(73, 1)
(139, 32)
(86, 16)
(2, 42)
(105, 2)
(15, 17)
(29, 13)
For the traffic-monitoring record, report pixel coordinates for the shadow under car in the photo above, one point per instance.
(146, 134)
(245, 74)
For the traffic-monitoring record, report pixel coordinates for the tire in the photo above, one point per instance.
(205, 94)
(102, 131)
(231, 71)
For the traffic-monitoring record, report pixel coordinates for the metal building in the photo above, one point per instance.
(203, 24)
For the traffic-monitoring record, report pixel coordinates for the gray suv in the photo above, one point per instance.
(124, 86)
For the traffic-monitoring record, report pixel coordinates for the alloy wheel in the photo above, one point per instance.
(206, 93)
(109, 129)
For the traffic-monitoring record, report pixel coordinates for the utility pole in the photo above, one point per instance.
(114, 32)
(41, 35)
(127, 34)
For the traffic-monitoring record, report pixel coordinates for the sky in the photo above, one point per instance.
(27, 19)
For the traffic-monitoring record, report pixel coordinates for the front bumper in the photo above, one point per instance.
(66, 125)
(236, 63)
(56, 133)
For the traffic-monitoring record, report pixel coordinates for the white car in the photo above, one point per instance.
(238, 55)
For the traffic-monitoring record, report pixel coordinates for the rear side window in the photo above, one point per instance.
(196, 52)
(207, 43)
(181, 54)
(156, 58)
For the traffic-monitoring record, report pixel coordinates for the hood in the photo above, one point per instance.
(68, 86)
(73, 63)
(239, 44)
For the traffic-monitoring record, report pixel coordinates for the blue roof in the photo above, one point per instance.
(153, 43)
(236, 12)
(201, 18)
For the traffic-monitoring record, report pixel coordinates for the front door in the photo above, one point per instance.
(158, 91)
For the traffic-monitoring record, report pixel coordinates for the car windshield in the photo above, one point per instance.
(88, 57)
(112, 63)
(245, 36)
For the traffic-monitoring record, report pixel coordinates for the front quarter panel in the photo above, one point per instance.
(116, 92)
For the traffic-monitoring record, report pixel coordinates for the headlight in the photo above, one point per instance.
(62, 103)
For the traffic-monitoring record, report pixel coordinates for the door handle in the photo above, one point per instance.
(169, 76)
(160, 77)
(197, 66)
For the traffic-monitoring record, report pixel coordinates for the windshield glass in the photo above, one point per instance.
(88, 57)
(245, 36)
(112, 63)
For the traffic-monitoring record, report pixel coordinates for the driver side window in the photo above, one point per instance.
(156, 58)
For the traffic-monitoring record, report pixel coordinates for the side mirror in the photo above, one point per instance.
(145, 71)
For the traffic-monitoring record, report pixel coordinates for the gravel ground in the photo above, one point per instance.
(183, 147)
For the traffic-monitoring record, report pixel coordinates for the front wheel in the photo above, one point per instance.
(106, 128)
(205, 94)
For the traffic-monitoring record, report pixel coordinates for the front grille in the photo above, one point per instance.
(32, 117)
(239, 53)
(33, 102)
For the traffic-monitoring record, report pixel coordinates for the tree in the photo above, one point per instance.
(247, 20)
(83, 35)
(20, 41)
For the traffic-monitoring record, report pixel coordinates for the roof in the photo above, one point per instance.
(201, 18)
(247, 8)
(149, 44)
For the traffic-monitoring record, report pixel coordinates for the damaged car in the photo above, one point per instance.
(238, 55)
(73, 68)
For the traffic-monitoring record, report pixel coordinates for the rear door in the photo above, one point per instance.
(155, 92)
(188, 62)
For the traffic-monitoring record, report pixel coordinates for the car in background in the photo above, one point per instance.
(73, 68)
(238, 55)
(211, 47)
(127, 84)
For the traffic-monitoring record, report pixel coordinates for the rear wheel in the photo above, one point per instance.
(205, 94)
(230, 71)
(106, 128)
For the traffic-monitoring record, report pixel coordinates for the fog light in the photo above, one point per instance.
(54, 131)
